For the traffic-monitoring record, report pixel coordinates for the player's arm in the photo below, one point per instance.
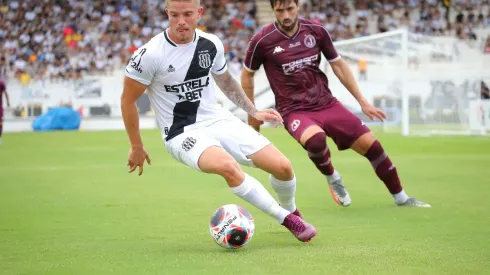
(343, 72)
(234, 92)
(339, 66)
(228, 85)
(253, 61)
(138, 75)
(247, 79)
(132, 90)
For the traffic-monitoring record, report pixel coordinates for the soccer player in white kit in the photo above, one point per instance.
(178, 68)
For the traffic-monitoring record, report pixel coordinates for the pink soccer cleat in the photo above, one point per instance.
(302, 230)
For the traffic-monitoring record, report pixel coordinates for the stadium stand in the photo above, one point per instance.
(62, 40)
(345, 19)
(66, 39)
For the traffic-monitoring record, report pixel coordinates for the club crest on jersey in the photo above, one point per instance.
(205, 60)
(310, 41)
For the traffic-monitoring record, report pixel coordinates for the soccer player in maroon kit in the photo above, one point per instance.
(3, 91)
(290, 50)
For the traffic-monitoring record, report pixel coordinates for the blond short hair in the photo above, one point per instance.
(168, 1)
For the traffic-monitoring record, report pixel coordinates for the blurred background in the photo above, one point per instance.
(422, 61)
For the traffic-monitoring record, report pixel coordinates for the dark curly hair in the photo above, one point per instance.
(283, 2)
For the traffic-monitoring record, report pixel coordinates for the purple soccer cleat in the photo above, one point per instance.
(302, 230)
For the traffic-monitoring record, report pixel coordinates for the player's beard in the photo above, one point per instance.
(290, 27)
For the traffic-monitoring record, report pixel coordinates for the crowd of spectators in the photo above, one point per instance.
(430, 17)
(66, 39)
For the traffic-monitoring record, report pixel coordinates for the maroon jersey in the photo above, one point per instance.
(292, 65)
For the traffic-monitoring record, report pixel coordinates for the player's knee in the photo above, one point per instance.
(284, 170)
(317, 143)
(364, 143)
(231, 171)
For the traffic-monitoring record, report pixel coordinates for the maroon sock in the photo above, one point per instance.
(319, 153)
(1, 130)
(384, 168)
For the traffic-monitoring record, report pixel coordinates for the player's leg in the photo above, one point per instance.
(253, 149)
(205, 154)
(215, 160)
(367, 146)
(306, 130)
(281, 175)
(348, 131)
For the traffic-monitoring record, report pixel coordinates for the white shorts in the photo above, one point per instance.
(234, 136)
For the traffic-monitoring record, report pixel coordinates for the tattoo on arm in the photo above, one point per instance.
(234, 92)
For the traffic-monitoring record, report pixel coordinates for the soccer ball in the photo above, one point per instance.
(232, 226)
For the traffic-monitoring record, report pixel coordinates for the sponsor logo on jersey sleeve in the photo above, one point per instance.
(135, 62)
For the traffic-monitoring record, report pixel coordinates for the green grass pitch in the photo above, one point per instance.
(68, 206)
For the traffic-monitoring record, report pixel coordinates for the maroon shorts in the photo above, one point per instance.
(338, 123)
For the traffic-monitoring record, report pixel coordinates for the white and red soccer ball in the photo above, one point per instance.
(232, 226)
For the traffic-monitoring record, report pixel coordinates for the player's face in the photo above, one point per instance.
(183, 16)
(286, 14)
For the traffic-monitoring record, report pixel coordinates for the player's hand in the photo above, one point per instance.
(269, 115)
(373, 112)
(254, 123)
(136, 158)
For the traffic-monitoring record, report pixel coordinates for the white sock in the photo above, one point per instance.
(254, 192)
(401, 197)
(333, 177)
(285, 191)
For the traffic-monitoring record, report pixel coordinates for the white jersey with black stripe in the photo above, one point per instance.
(181, 88)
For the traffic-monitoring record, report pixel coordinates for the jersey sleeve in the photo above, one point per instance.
(326, 45)
(219, 66)
(142, 66)
(254, 56)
